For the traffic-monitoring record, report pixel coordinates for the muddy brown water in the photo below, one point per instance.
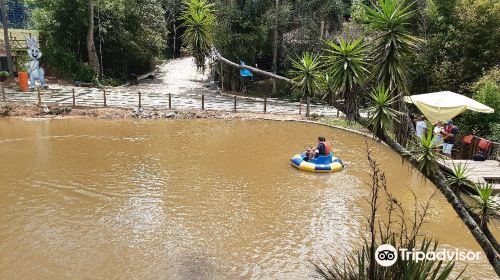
(190, 199)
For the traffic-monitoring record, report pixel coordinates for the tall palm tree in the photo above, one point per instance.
(390, 19)
(307, 76)
(199, 20)
(347, 66)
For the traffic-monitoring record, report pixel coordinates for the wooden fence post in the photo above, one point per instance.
(3, 93)
(169, 100)
(235, 103)
(74, 99)
(203, 102)
(104, 96)
(140, 100)
(300, 107)
(338, 113)
(265, 105)
(221, 77)
(39, 97)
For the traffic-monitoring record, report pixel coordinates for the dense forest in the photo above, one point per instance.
(454, 43)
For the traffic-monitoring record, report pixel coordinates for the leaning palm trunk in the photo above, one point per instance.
(405, 129)
(228, 62)
(489, 250)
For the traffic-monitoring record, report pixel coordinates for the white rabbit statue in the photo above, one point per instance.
(35, 72)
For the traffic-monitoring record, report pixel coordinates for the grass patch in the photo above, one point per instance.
(341, 122)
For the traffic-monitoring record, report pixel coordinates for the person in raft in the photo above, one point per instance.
(322, 149)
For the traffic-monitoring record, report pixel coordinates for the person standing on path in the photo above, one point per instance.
(449, 135)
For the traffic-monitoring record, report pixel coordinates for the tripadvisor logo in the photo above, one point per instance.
(387, 255)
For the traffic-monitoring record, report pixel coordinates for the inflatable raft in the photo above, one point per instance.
(320, 164)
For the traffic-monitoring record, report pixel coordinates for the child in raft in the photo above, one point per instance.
(323, 149)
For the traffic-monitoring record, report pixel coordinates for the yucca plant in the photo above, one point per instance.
(459, 176)
(199, 20)
(307, 74)
(382, 114)
(486, 204)
(425, 154)
(347, 67)
(392, 19)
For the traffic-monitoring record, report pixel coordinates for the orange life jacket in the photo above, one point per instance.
(327, 148)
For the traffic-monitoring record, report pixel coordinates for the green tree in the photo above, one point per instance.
(347, 69)
(199, 20)
(307, 74)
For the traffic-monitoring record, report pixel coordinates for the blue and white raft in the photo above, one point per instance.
(322, 164)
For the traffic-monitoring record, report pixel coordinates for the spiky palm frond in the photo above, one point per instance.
(382, 115)
(391, 18)
(199, 21)
(347, 67)
(486, 204)
(307, 74)
(425, 153)
(459, 176)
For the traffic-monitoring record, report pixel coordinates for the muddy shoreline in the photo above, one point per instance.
(19, 110)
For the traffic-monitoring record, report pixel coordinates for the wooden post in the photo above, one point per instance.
(3, 93)
(104, 96)
(265, 105)
(140, 100)
(203, 102)
(169, 101)
(235, 103)
(338, 113)
(300, 107)
(74, 99)
(39, 97)
(221, 77)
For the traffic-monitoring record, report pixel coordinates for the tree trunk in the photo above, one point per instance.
(93, 59)
(275, 44)
(308, 105)
(10, 65)
(352, 110)
(174, 25)
(253, 69)
(461, 211)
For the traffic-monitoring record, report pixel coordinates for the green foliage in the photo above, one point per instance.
(425, 153)
(198, 19)
(4, 74)
(459, 176)
(486, 204)
(307, 73)
(463, 39)
(391, 19)
(487, 91)
(382, 114)
(129, 35)
(347, 64)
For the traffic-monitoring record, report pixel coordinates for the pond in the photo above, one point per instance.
(190, 199)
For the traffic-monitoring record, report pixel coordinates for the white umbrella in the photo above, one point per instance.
(444, 105)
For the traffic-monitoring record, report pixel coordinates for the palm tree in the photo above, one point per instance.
(391, 19)
(307, 76)
(425, 154)
(460, 176)
(486, 204)
(382, 115)
(346, 62)
(199, 21)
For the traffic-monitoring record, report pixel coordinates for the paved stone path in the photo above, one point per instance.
(177, 77)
